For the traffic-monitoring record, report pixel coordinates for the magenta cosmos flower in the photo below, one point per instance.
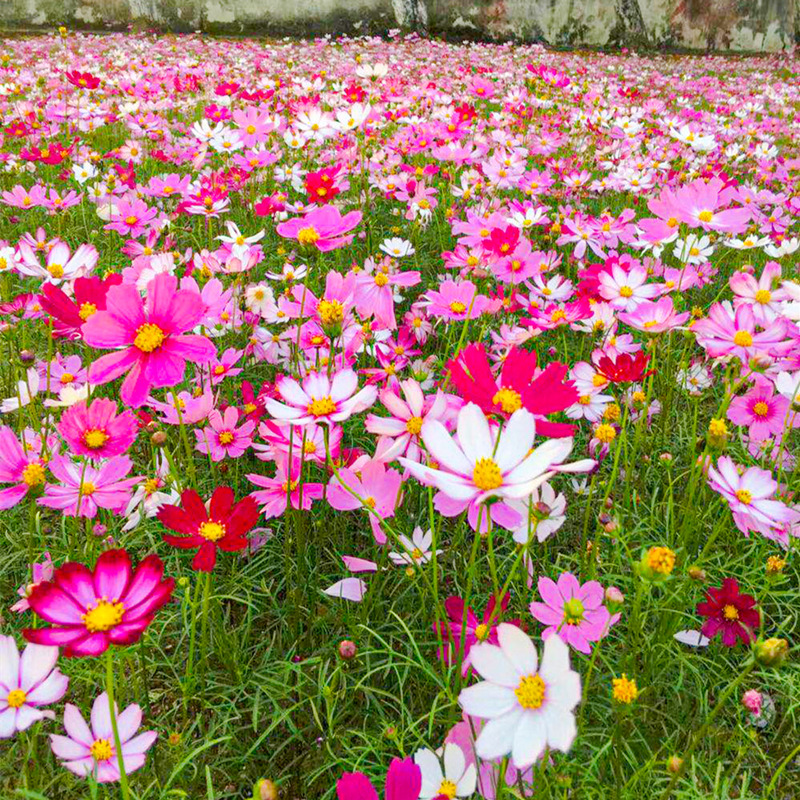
(655, 317)
(154, 348)
(573, 611)
(91, 751)
(763, 412)
(21, 467)
(97, 430)
(320, 399)
(222, 438)
(89, 610)
(93, 487)
(403, 782)
(322, 228)
(26, 683)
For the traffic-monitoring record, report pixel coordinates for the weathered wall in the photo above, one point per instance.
(760, 25)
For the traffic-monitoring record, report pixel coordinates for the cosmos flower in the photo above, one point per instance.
(528, 705)
(403, 782)
(323, 228)
(223, 525)
(97, 430)
(91, 751)
(20, 466)
(450, 777)
(27, 682)
(729, 613)
(88, 610)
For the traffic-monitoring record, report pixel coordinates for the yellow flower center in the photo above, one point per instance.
(86, 310)
(381, 279)
(226, 437)
(33, 474)
(414, 425)
(103, 616)
(584, 399)
(95, 438)
(508, 399)
(486, 475)
(457, 307)
(219, 369)
(307, 236)
(101, 750)
(88, 489)
(447, 788)
(56, 270)
(149, 337)
(763, 296)
(730, 612)
(573, 611)
(416, 554)
(310, 448)
(626, 291)
(67, 377)
(330, 311)
(212, 531)
(743, 496)
(625, 690)
(743, 339)
(482, 632)
(150, 485)
(605, 433)
(530, 692)
(761, 409)
(321, 407)
(16, 698)
(705, 216)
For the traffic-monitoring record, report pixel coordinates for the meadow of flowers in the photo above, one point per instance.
(396, 418)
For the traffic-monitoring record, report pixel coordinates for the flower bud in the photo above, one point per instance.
(99, 530)
(159, 439)
(265, 790)
(27, 356)
(696, 573)
(771, 652)
(614, 596)
(752, 700)
(674, 763)
(347, 649)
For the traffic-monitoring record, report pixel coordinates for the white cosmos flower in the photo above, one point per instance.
(25, 392)
(416, 550)
(485, 462)
(455, 780)
(397, 248)
(529, 706)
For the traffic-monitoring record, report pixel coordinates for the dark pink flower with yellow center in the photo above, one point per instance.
(19, 466)
(96, 430)
(729, 613)
(88, 610)
(154, 349)
(761, 410)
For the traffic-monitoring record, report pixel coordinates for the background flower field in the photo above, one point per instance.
(396, 395)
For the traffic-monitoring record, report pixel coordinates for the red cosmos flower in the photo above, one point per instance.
(269, 205)
(519, 386)
(83, 80)
(92, 609)
(69, 314)
(223, 525)
(502, 242)
(729, 613)
(321, 186)
(625, 368)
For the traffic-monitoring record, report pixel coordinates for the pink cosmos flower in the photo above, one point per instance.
(727, 332)
(222, 439)
(60, 266)
(654, 317)
(41, 572)
(97, 430)
(95, 487)
(456, 301)
(284, 488)
(26, 683)
(154, 349)
(322, 228)
(749, 493)
(625, 290)
(90, 610)
(697, 205)
(132, 218)
(762, 411)
(192, 408)
(86, 751)
(377, 487)
(374, 294)
(399, 434)
(403, 782)
(320, 399)
(765, 295)
(573, 611)
(20, 466)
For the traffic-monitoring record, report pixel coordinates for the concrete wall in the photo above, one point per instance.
(745, 25)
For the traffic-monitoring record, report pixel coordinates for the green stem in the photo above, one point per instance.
(123, 778)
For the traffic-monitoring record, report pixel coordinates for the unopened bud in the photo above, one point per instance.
(614, 596)
(771, 652)
(696, 573)
(27, 356)
(159, 438)
(99, 530)
(265, 790)
(347, 649)
(674, 764)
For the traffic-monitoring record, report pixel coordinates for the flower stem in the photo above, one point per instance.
(123, 778)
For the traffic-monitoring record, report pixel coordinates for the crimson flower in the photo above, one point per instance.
(222, 525)
(83, 80)
(91, 609)
(729, 613)
(403, 782)
(625, 368)
(519, 386)
(69, 314)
